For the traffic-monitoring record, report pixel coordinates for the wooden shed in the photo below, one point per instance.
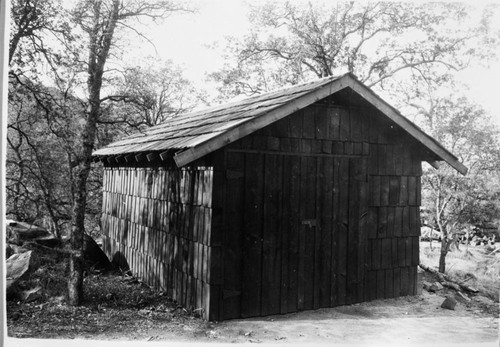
(297, 199)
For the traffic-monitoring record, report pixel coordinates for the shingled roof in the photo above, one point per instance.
(193, 135)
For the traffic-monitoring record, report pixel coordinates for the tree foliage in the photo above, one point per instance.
(458, 202)
(60, 106)
(382, 43)
(149, 94)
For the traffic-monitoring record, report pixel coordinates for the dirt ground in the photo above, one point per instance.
(402, 321)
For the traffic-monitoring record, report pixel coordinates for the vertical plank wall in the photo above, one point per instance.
(320, 209)
(157, 222)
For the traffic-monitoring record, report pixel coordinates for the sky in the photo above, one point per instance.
(185, 40)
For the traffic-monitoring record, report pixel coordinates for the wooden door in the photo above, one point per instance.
(299, 239)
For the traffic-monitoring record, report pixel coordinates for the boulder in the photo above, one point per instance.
(31, 295)
(19, 266)
(50, 241)
(17, 249)
(18, 232)
(449, 303)
(427, 285)
(8, 251)
(93, 255)
(435, 287)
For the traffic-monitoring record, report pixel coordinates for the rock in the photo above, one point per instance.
(482, 299)
(464, 296)
(18, 267)
(93, 254)
(50, 241)
(435, 287)
(31, 295)
(18, 232)
(17, 249)
(427, 285)
(8, 251)
(449, 303)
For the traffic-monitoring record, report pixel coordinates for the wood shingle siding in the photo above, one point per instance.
(157, 222)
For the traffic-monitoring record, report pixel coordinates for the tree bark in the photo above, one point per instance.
(99, 46)
(442, 256)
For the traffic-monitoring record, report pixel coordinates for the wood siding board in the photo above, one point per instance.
(414, 221)
(371, 286)
(296, 124)
(391, 216)
(295, 227)
(376, 190)
(382, 222)
(353, 234)
(308, 126)
(342, 227)
(308, 232)
(271, 257)
(333, 123)
(356, 127)
(396, 282)
(405, 281)
(233, 234)
(412, 190)
(344, 125)
(394, 253)
(401, 252)
(348, 148)
(321, 123)
(335, 234)
(380, 284)
(394, 190)
(389, 283)
(386, 253)
(384, 190)
(252, 229)
(415, 257)
(418, 191)
(406, 221)
(285, 221)
(413, 280)
(373, 159)
(363, 220)
(382, 159)
(376, 253)
(325, 214)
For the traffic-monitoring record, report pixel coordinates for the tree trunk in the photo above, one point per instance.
(100, 43)
(445, 247)
(75, 282)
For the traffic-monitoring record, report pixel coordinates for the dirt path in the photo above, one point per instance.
(402, 321)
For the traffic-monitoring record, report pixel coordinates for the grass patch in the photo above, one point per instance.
(475, 267)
